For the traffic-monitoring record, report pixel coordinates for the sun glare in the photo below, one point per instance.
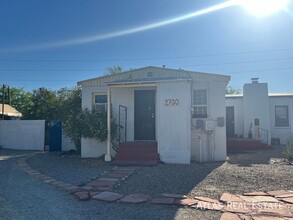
(263, 7)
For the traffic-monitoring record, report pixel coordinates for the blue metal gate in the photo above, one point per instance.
(55, 142)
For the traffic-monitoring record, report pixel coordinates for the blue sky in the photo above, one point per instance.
(228, 41)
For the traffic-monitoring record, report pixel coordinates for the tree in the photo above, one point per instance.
(69, 100)
(44, 105)
(114, 70)
(94, 125)
(70, 112)
(20, 99)
(231, 90)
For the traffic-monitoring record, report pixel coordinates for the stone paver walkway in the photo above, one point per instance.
(271, 205)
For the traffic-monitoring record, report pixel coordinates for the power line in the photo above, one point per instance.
(198, 65)
(75, 80)
(187, 46)
(39, 80)
(147, 58)
(261, 70)
(242, 62)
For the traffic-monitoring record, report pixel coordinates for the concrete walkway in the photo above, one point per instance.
(255, 206)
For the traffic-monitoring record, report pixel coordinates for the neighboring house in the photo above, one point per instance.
(267, 115)
(10, 113)
(181, 112)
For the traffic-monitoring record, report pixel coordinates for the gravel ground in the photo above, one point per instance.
(23, 197)
(245, 172)
(69, 168)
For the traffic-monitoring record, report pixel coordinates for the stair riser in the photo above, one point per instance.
(135, 163)
(139, 144)
(138, 151)
(136, 157)
(234, 146)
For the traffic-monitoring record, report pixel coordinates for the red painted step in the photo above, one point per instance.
(137, 153)
(241, 144)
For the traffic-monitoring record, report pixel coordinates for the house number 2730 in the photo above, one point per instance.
(171, 102)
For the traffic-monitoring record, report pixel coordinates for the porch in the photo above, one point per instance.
(142, 135)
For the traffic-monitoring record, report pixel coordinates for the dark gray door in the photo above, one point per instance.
(144, 115)
(230, 130)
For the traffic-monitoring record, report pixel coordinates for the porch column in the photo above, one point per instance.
(108, 154)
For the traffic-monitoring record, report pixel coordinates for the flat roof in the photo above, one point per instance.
(270, 95)
(234, 95)
(280, 94)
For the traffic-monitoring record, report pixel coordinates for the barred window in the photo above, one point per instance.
(200, 103)
(281, 116)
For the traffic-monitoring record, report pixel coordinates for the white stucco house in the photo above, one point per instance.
(180, 114)
(267, 115)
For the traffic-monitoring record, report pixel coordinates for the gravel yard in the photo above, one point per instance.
(245, 172)
(23, 197)
(69, 168)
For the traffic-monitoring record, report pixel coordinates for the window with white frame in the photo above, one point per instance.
(100, 103)
(200, 108)
(281, 116)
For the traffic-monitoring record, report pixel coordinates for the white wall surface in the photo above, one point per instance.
(218, 109)
(67, 144)
(22, 134)
(284, 133)
(256, 105)
(217, 139)
(87, 95)
(174, 131)
(237, 103)
(90, 147)
(173, 124)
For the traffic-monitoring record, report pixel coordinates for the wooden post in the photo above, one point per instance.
(9, 96)
(108, 154)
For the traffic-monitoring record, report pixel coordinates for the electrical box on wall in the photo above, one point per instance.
(220, 121)
(209, 125)
(199, 124)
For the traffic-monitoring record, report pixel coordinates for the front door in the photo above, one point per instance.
(144, 115)
(230, 121)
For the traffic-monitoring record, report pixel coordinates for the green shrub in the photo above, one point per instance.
(288, 150)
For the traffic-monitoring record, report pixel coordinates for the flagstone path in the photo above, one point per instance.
(271, 205)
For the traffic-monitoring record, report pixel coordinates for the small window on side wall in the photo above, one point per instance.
(100, 103)
(200, 109)
(281, 116)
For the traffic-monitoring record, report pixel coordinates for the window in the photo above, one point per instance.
(200, 103)
(100, 103)
(281, 116)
